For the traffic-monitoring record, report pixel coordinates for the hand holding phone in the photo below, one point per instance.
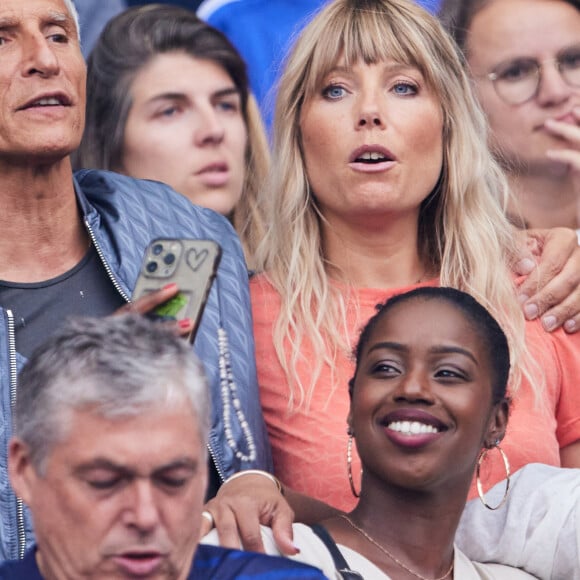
(191, 264)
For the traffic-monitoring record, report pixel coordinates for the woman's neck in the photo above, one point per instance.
(367, 257)
(415, 529)
(544, 200)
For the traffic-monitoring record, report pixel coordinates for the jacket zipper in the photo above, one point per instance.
(104, 262)
(13, 382)
(217, 467)
(128, 300)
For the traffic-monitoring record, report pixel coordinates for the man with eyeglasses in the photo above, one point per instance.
(524, 57)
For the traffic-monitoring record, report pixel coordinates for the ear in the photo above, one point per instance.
(497, 424)
(20, 469)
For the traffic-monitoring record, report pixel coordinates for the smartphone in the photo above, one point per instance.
(191, 264)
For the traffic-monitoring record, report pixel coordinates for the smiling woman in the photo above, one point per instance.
(168, 100)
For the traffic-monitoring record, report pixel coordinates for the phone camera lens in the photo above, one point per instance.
(151, 267)
(169, 259)
(157, 249)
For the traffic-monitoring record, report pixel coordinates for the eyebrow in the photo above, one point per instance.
(444, 349)
(107, 464)
(52, 17)
(176, 96)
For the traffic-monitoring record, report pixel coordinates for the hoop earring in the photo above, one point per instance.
(349, 465)
(506, 464)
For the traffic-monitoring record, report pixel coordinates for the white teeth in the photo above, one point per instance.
(48, 101)
(372, 156)
(411, 427)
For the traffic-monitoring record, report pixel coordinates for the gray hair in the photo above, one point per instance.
(117, 367)
(70, 6)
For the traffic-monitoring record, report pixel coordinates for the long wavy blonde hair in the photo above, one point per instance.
(462, 229)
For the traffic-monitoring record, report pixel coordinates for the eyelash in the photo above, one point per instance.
(413, 89)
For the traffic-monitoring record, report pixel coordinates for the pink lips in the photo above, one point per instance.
(214, 174)
(371, 159)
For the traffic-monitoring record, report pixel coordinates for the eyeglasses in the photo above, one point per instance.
(517, 81)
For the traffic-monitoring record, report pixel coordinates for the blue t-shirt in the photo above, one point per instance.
(210, 563)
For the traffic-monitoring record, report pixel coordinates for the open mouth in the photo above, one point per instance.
(372, 157)
(412, 427)
(48, 101)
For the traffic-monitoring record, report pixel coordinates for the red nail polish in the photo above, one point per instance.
(168, 286)
(185, 323)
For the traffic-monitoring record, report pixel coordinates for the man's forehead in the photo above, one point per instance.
(13, 12)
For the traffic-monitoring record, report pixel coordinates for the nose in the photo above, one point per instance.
(141, 512)
(210, 129)
(552, 89)
(39, 57)
(370, 115)
(414, 387)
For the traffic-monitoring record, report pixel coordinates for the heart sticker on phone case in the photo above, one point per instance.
(196, 258)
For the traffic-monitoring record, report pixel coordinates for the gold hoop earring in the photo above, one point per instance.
(349, 465)
(506, 464)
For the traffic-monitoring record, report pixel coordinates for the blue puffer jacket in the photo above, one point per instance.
(122, 215)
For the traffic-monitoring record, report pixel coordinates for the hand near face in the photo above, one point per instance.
(569, 133)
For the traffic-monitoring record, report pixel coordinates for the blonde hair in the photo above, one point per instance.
(247, 217)
(462, 230)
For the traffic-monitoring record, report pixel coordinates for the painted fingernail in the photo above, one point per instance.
(531, 311)
(173, 285)
(570, 325)
(184, 323)
(549, 322)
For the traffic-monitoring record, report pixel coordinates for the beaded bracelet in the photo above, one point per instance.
(273, 479)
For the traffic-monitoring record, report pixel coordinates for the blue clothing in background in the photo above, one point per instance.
(263, 31)
(93, 15)
(210, 563)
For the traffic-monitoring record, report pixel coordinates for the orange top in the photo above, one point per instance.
(309, 446)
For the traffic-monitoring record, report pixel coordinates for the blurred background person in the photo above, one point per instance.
(168, 99)
(524, 59)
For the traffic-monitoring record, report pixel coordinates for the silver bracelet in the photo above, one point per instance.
(273, 479)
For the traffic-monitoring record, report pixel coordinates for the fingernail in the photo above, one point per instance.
(525, 266)
(185, 323)
(168, 286)
(523, 298)
(549, 322)
(531, 311)
(570, 325)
